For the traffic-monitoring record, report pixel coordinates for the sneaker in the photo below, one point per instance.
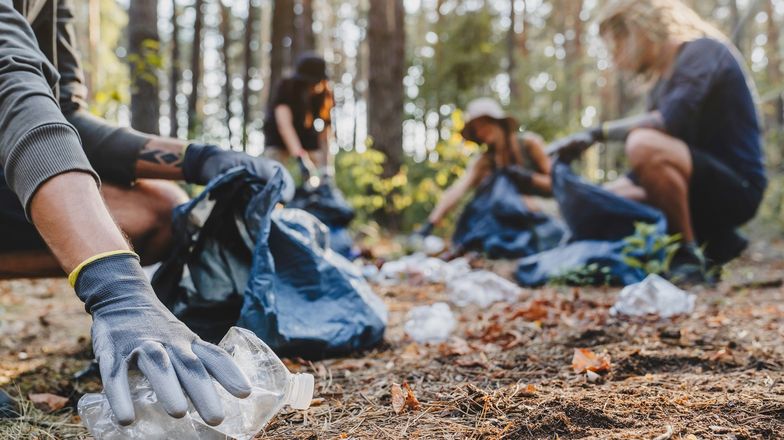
(688, 266)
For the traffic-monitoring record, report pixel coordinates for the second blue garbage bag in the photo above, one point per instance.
(498, 223)
(240, 260)
(327, 204)
(599, 222)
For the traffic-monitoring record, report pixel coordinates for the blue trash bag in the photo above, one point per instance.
(237, 260)
(598, 222)
(327, 204)
(498, 222)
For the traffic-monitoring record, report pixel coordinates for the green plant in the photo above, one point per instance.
(650, 251)
(587, 275)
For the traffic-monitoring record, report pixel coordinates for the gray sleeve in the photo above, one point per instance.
(36, 140)
(112, 151)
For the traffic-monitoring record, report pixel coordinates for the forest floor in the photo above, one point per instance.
(505, 374)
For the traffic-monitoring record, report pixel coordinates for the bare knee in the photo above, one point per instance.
(161, 197)
(650, 150)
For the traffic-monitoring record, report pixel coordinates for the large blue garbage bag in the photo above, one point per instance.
(239, 260)
(327, 204)
(498, 222)
(598, 222)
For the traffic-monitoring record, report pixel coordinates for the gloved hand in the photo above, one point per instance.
(572, 146)
(131, 327)
(522, 177)
(425, 230)
(202, 163)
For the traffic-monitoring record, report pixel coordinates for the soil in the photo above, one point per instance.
(506, 373)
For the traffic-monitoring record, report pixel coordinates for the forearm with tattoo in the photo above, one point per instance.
(161, 158)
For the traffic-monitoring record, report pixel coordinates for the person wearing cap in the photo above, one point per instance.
(298, 120)
(696, 153)
(520, 153)
(80, 195)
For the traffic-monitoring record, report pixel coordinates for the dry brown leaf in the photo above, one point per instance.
(586, 360)
(411, 401)
(48, 402)
(536, 310)
(454, 347)
(398, 399)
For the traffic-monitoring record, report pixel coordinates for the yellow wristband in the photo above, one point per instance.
(74, 275)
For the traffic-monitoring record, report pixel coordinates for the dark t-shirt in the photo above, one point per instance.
(293, 93)
(707, 102)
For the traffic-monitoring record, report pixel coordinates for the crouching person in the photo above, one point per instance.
(696, 154)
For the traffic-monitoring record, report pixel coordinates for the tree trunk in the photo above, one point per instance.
(775, 77)
(174, 78)
(282, 39)
(93, 41)
(305, 38)
(226, 55)
(386, 39)
(194, 105)
(143, 44)
(251, 33)
(511, 53)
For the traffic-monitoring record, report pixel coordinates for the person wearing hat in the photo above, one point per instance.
(520, 153)
(298, 120)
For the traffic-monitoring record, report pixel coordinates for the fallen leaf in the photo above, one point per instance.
(398, 400)
(48, 402)
(454, 347)
(586, 360)
(536, 310)
(529, 390)
(411, 401)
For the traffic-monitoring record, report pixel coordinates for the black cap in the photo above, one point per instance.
(311, 68)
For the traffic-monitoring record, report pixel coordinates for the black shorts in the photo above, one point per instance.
(16, 233)
(720, 200)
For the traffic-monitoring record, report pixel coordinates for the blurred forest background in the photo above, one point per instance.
(401, 70)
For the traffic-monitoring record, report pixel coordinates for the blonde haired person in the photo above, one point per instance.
(696, 153)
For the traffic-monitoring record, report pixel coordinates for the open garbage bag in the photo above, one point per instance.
(237, 259)
(498, 222)
(327, 204)
(598, 222)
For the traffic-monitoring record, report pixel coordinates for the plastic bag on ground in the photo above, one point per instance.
(598, 222)
(273, 387)
(420, 267)
(653, 296)
(482, 288)
(498, 222)
(430, 324)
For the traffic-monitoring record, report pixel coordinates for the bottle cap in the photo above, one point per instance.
(301, 391)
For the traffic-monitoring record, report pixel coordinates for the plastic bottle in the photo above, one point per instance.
(273, 388)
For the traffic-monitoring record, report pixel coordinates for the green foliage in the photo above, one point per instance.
(649, 251)
(147, 62)
(110, 79)
(413, 191)
(587, 275)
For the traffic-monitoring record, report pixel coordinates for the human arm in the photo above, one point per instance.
(474, 174)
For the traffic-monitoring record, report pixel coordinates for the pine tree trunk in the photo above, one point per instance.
(194, 107)
(143, 39)
(305, 38)
(511, 52)
(386, 39)
(225, 28)
(251, 34)
(282, 39)
(174, 77)
(775, 77)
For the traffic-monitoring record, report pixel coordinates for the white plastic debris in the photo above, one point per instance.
(430, 324)
(273, 387)
(482, 288)
(433, 245)
(419, 265)
(654, 295)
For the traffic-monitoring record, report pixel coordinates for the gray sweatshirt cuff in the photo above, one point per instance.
(42, 153)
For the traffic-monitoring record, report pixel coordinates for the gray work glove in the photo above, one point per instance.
(131, 327)
(572, 146)
(201, 163)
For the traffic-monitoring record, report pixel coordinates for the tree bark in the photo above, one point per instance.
(305, 38)
(194, 105)
(282, 39)
(775, 77)
(511, 53)
(174, 77)
(225, 28)
(143, 40)
(386, 39)
(251, 33)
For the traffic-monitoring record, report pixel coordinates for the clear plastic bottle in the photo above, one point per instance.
(273, 388)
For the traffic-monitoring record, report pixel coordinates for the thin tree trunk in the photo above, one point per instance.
(226, 55)
(93, 40)
(305, 38)
(282, 39)
(386, 39)
(174, 78)
(775, 76)
(143, 39)
(194, 107)
(511, 53)
(251, 33)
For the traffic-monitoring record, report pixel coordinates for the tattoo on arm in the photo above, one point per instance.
(161, 157)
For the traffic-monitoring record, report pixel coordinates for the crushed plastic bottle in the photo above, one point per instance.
(482, 288)
(430, 324)
(420, 266)
(273, 387)
(653, 296)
